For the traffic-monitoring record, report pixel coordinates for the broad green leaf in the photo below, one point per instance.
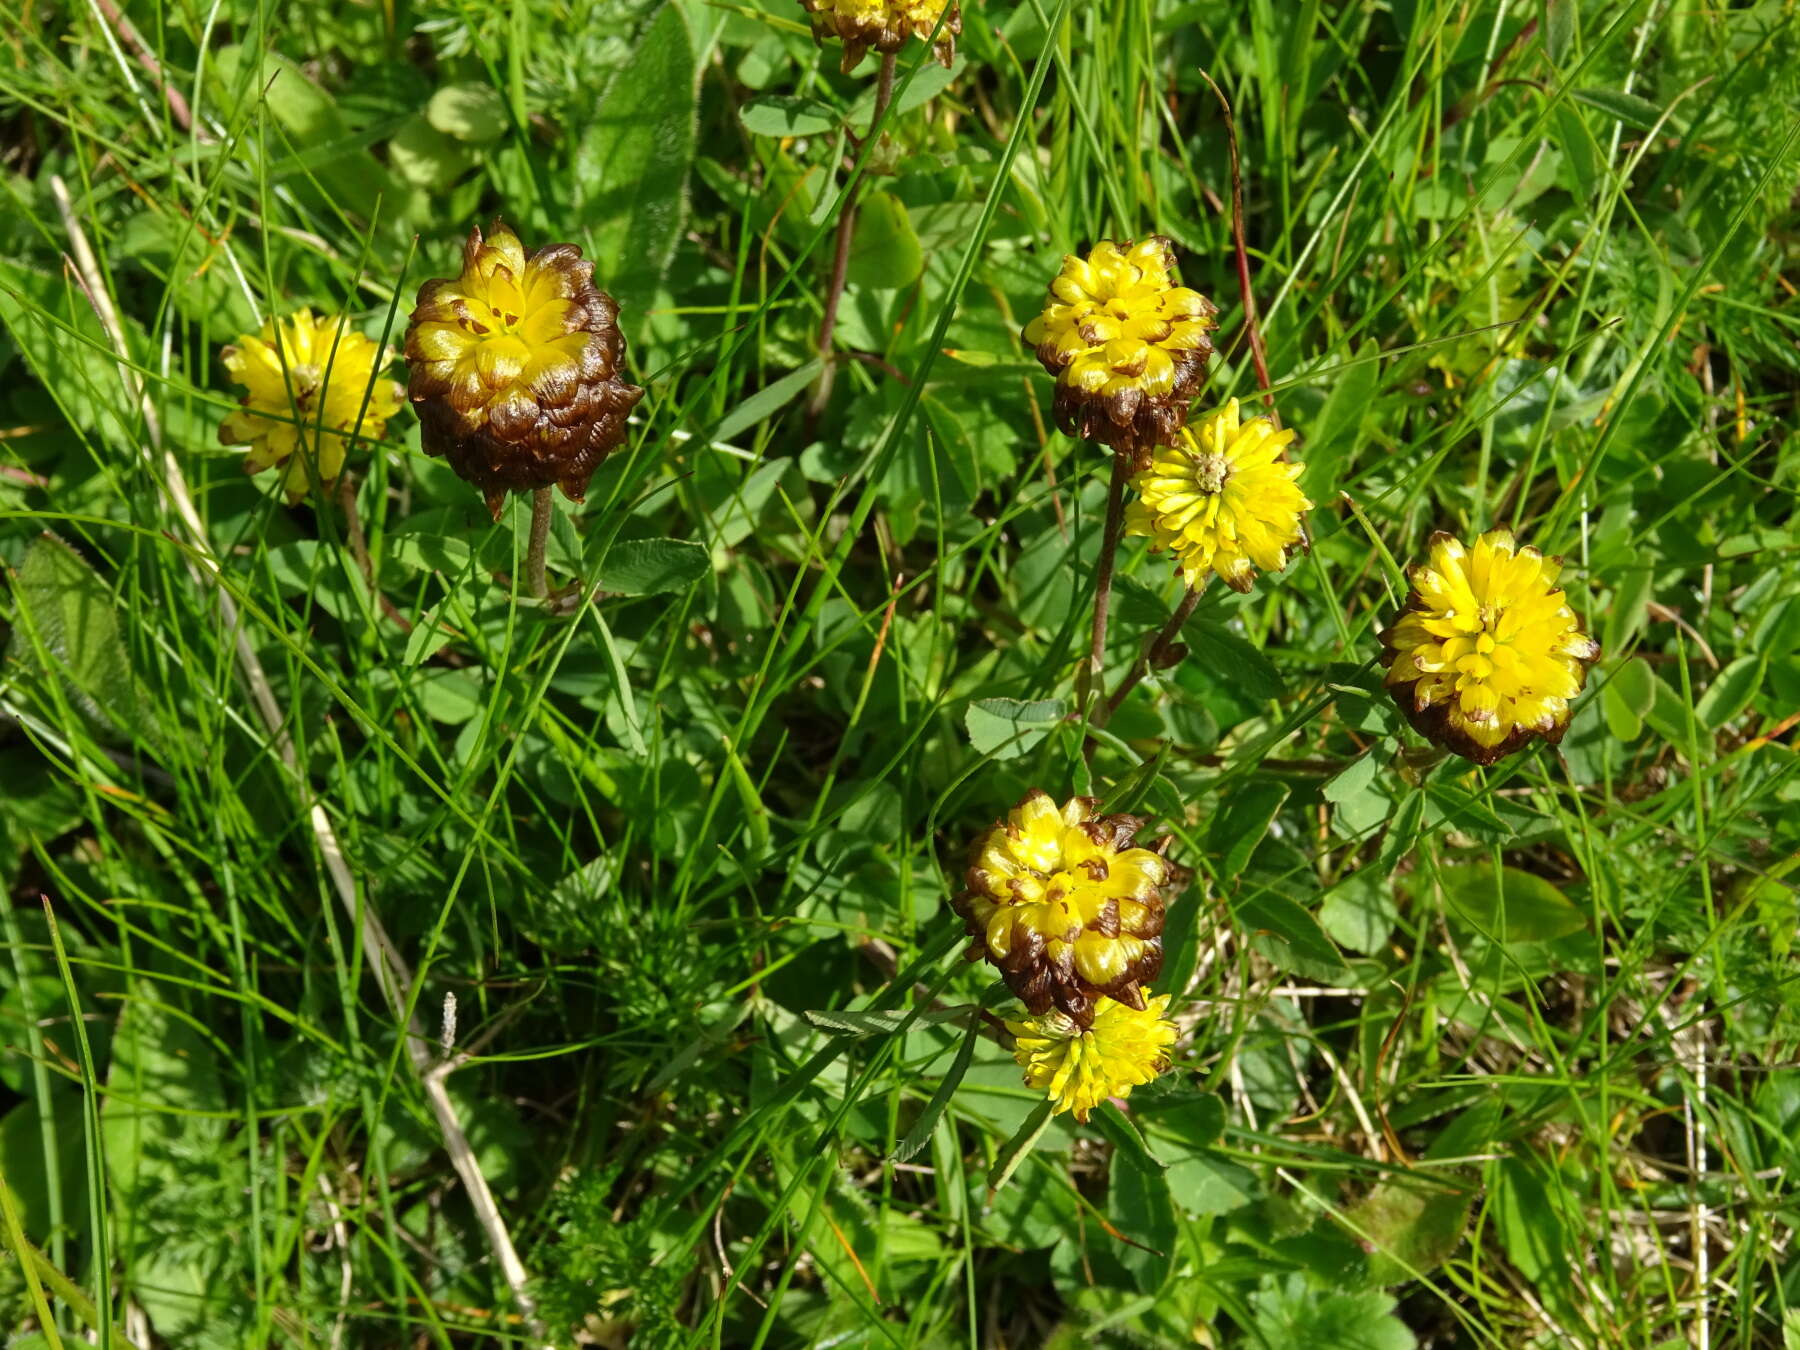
(884, 251)
(1289, 936)
(652, 566)
(1006, 728)
(1240, 826)
(475, 113)
(1359, 912)
(1520, 1209)
(631, 168)
(426, 157)
(1297, 1312)
(1730, 692)
(1233, 659)
(1514, 905)
(69, 631)
(1409, 1224)
(1138, 1202)
(1337, 431)
(1626, 699)
(786, 115)
(1360, 805)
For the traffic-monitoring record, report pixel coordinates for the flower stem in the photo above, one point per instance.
(840, 261)
(1092, 673)
(1160, 653)
(542, 508)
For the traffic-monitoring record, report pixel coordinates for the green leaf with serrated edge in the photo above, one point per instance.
(631, 167)
(1019, 1147)
(68, 630)
(920, 1133)
(652, 566)
(1006, 728)
(1240, 826)
(1515, 905)
(1409, 1223)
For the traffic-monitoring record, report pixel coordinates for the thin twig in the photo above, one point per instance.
(388, 967)
(840, 260)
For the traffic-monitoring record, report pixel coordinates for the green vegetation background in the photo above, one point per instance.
(1469, 1059)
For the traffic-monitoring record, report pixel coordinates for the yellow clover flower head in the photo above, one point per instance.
(1081, 1067)
(1126, 342)
(517, 368)
(1222, 499)
(1487, 653)
(1066, 906)
(884, 25)
(305, 384)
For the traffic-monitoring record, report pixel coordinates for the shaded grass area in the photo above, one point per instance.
(1468, 1057)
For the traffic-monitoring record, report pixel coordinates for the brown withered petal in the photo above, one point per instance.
(516, 368)
(1066, 906)
(884, 25)
(1128, 345)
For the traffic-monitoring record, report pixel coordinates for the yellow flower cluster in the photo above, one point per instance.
(1070, 910)
(1222, 499)
(1487, 653)
(1080, 1067)
(310, 384)
(1126, 342)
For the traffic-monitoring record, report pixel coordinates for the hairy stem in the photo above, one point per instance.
(542, 508)
(1160, 653)
(840, 259)
(1093, 674)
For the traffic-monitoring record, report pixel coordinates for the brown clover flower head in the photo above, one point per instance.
(1066, 906)
(1127, 345)
(884, 25)
(516, 368)
(1487, 655)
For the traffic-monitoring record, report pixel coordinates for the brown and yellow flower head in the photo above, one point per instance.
(309, 385)
(884, 25)
(1065, 905)
(1487, 653)
(1126, 343)
(1222, 499)
(1080, 1067)
(517, 368)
